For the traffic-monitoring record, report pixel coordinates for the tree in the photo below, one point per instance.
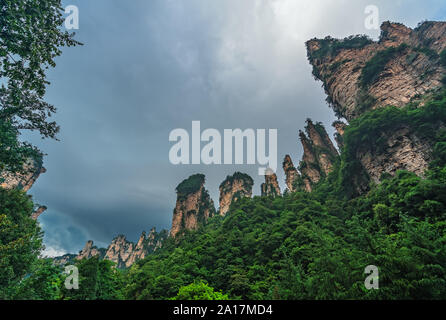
(199, 291)
(20, 240)
(30, 40)
(44, 282)
(98, 280)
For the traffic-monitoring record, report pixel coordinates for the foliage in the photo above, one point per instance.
(30, 40)
(316, 245)
(98, 280)
(199, 291)
(443, 58)
(191, 184)
(247, 180)
(377, 63)
(430, 53)
(20, 240)
(43, 283)
(330, 47)
(13, 152)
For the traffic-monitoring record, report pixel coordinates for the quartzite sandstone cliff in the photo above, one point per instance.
(409, 72)
(359, 75)
(233, 188)
(194, 206)
(271, 185)
(121, 251)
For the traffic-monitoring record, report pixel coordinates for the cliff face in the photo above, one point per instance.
(125, 253)
(233, 188)
(121, 251)
(193, 207)
(32, 169)
(90, 251)
(319, 155)
(271, 185)
(359, 74)
(291, 174)
(403, 150)
(405, 65)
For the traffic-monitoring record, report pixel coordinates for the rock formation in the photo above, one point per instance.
(193, 207)
(90, 251)
(38, 212)
(291, 174)
(340, 129)
(66, 259)
(233, 188)
(403, 150)
(319, 154)
(412, 68)
(121, 251)
(24, 180)
(271, 185)
(359, 75)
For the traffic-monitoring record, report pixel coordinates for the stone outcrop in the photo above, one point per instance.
(409, 70)
(38, 212)
(319, 155)
(123, 252)
(25, 179)
(291, 174)
(90, 251)
(271, 185)
(403, 150)
(413, 69)
(194, 206)
(340, 129)
(233, 188)
(66, 259)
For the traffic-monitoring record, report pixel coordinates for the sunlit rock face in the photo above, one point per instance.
(271, 185)
(193, 207)
(412, 71)
(409, 70)
(25, 179)
(122, 252)
(319, 155)
(233, 188)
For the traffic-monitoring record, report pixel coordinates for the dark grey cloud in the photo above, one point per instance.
(148, 67)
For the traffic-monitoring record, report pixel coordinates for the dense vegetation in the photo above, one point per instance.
(297, 246)
(331, 47)
(373, 68)
(191, 185)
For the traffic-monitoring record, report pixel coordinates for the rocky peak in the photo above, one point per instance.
(233, 188)
(89, 251)
(291, 174)
(360, 74)
(38, 212)
(123, 252)
(405, 66)
(25, 179)
(340, 129)
(193, 207)
(271, 185)
(319, 154)
(119, 251)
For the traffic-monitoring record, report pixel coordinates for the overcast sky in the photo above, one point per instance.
(148, 67)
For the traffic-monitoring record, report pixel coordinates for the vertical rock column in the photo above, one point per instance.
(233, 188)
